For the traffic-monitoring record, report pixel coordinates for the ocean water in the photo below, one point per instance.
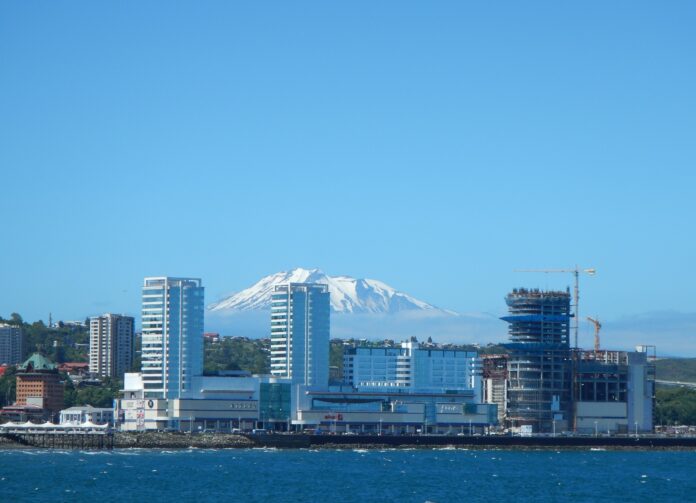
(267, 475)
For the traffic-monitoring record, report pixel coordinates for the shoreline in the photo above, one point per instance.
(172, 440)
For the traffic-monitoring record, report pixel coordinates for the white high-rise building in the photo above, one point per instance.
(300, 332)
(11, 345)
(172, 336)
(110, 345)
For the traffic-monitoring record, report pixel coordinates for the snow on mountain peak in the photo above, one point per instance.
(348, 295)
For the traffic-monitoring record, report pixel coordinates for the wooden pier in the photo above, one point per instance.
(61, 439)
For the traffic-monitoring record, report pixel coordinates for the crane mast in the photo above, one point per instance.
(575, 352)
(597, 326)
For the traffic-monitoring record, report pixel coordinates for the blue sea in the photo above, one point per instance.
(268, 475)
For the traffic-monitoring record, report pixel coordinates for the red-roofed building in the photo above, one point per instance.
(74, 369)
(211, 337)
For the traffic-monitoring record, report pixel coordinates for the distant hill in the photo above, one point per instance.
(676, 369)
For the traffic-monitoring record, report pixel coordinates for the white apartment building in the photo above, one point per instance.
(110, 345)
(172, 335)
(300, 332)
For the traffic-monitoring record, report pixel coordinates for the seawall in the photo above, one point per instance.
(376, 441)
(175, 440)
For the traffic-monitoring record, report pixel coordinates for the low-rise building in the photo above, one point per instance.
(221, 403)
(39, 384)
(39, 391)
(412, 368)
(615, 391)
(86, 414)
(211, 337)
(394, 411)
(22, 413)
(75, 370)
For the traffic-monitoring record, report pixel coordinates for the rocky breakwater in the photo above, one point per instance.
(179, 440)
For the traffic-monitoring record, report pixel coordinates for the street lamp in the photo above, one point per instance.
(596, 433)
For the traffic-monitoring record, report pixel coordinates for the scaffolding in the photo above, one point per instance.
(539, 365)
(495, 377)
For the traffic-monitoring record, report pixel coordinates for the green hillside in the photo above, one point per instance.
(675, 405)
(676, 369)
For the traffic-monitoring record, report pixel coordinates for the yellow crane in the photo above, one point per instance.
(576, 272)
(597, 326)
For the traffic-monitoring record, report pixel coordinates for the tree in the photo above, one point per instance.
(336, 355)
(16, 319)
(238, 353)
(8, 387)
(69, 392)
(675, 406)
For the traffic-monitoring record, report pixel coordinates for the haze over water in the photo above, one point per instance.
(437, 475)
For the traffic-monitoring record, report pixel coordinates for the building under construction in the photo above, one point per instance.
(495, 379)
(539, 363)
(614, 391)
(548, 386)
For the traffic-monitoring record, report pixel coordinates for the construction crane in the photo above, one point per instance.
(576, 272)
(597, 326)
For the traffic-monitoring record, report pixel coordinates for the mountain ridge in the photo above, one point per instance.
(348, 294)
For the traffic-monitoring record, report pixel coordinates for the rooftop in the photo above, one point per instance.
(37, 362)
(535, 292)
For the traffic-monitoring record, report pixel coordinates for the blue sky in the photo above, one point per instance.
(434, 146)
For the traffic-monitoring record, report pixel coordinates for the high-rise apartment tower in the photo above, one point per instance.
(172, 336)
(110, 345)
(300, 332)
(11, 345)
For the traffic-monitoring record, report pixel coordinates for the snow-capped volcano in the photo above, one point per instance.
(348, 295)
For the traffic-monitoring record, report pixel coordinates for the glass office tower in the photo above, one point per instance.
(172, 344)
